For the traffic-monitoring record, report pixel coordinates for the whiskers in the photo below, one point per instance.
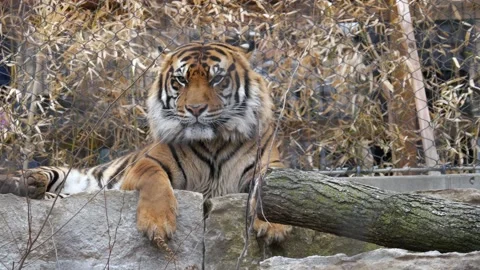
(237, 111)
(234, 121)
(170, 114)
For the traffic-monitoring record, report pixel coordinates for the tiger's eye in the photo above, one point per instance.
(217, 79)
(181, 80)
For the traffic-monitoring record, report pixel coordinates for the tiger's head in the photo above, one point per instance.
(208, 91)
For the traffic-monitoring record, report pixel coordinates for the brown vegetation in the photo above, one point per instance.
(81, 70)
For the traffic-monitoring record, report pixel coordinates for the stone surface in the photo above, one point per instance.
(95, 232)
(391, 259)
(225, 238)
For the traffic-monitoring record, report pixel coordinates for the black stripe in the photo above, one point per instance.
(177, 160)
(231, 68)
(214, 58)
(114, 177)
(220, 148)
(167, 106)
(247, 86)
(152, 173)
(98, 174)
(180, 67)
(237, 82)
(99, 179)
(250, 148)
(254, 144)
(165, 88)
(262, 151)
(96, 171)
(204, 147)
(221, 45)
(186, 58)
(53, 179)
(265, 144)
(186, 50)
(133, 158)
(148, 170)
(227, 158)
(220, 51)
(204, 159)
(164, 167)
(242, 107)
(247, 169)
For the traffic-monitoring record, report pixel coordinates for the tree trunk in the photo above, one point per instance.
(390, 219)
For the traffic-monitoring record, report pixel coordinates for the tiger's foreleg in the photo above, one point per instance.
(269, 231)
(157, 206)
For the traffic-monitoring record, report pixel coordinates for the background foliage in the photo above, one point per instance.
(75, 77)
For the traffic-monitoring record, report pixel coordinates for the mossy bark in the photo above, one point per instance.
(362, 212)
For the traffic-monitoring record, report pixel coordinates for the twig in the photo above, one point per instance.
(110, 244)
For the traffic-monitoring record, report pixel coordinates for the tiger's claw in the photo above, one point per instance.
(271, 232)
(157, 220)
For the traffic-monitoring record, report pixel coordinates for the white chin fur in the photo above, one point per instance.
(198, 133)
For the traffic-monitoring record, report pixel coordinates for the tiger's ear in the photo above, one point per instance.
(247, 47)
(161, 54)
(162, 50)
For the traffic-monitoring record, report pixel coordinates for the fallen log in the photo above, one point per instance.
(400, 220)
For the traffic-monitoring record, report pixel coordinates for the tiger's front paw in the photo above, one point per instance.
(29, 183)
(271, 232)
(157, 218)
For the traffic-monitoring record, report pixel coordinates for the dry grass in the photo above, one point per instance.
(74, 58)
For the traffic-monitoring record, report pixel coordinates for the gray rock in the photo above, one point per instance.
(91, 232)
(391, 259)
(225, 235)
(225, 238)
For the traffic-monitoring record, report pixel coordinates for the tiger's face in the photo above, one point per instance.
(206, 91)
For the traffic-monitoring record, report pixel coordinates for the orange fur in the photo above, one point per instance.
(199, 91)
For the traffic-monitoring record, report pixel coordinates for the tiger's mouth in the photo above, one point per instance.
(205, 120)
(195, 122)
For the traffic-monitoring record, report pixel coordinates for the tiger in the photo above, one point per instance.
(211, 119)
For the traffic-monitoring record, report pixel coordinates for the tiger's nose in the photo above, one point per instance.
(196, 109)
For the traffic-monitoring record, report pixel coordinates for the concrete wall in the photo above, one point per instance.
(420, 182)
